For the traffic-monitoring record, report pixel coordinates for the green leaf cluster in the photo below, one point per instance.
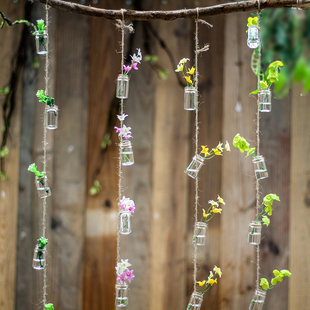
(41, 26)
(279, 275)
(42, 242)
(243, 145)
(33, 168)
(49, 307)
(44, 98)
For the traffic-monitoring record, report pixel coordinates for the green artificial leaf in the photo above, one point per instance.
(300, 70)
(255, 92)
(255, 62)
(266, 220)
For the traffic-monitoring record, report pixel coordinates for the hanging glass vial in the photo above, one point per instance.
(200, 233)
(255, 230)
(260, 168)
(38, 261)
(125, 222)
(253, 36)
(126, 153)
(258, 300)
(195, 302)
(52, 117)
(264, 100)
(190, 98)
(43, 188)
(194, 167)
(121, 299)
(122, 86)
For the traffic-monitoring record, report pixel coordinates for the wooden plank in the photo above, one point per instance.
(170, 184)
(299, 230)
(238, 181)
(9, 44)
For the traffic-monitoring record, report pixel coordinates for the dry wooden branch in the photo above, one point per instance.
(243, 6)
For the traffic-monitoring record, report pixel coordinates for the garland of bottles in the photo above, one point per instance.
(50, 121)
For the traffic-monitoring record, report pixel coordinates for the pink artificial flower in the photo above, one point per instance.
(117, 129)
(132, 209)
(134, 66)
(127, 68)
(122, 206)
(127, 137)
(129, 275)
(122, 277)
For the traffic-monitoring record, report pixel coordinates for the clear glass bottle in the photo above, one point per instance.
(38, 261)
(43, 188)
(52, 117)
(200, 233)
(195, 302)
(258, 300)
(122, 86)
(255, 230)
(190, 98)
(126, 153)
(194, 167)
(260, 168)
(253, 36)
(41, 42)
(264, 100)
(125, 222)
(121, 292)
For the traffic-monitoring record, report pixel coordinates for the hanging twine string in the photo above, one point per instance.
(44, 152)
(257, 147)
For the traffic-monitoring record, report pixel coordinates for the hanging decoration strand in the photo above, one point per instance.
(44, 150)
(257, 148)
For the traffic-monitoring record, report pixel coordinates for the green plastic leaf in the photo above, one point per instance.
(255, 62)
(255, 92)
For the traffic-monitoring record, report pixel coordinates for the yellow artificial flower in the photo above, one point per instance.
(205, 214)
(211, 281)
(188, 79)
(216, 151)
(183, 60)
(205, 150)
(191, 71)
(179, 68)
(201, 283)
(227, 146)
(217, 270)
(216, 210)
(213, 203)
(220, 200)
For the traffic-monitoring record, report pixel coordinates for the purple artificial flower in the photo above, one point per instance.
(122, 206)
(127, 68)
(134, 66)
(132, 209)
(117, 129)
(129, 275)
(122, 277)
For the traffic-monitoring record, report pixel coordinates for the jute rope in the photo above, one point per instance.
(44, 152)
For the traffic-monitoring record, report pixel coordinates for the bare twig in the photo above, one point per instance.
(226, 8)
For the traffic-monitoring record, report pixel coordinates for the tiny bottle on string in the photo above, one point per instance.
(52, 117)
(264, 100)
(126, 153)
(253, 36)
(260, 168)
(255, 230)
(258, 300)
(200, 233)
(122, 86)
(125, 222)
(43, 188)
(41, 38)
(195, 165)
(190, 98)
(38, 261)
(195, 302)
(121, 292)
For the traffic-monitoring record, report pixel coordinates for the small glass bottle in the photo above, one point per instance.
(126, 153)
(264, 100)
(41, 42)
(121, 291)
(38, 261)
(195, 302)
(125, 222)
(190, 98)
(194, 167)
(260, 168)
(258, 300)
(122, 86)
(255, 230)
(253, 36)
(200, 233)
(43, 188)
(52, 117)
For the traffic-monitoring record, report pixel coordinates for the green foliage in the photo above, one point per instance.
(286, 36)
(4, 151)
(4, 90)
(42, 242)
(95, 189)
(49, 307)
(44, 98)
(33, 168)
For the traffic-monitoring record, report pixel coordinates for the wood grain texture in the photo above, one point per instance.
(69, 165)
(9, 43)
(299, 230)
(238, 181)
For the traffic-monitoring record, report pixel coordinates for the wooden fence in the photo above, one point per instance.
(84, 63)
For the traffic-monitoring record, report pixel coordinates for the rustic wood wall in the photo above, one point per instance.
(82, 228)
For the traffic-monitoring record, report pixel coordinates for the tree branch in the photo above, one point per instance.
(226, 8)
